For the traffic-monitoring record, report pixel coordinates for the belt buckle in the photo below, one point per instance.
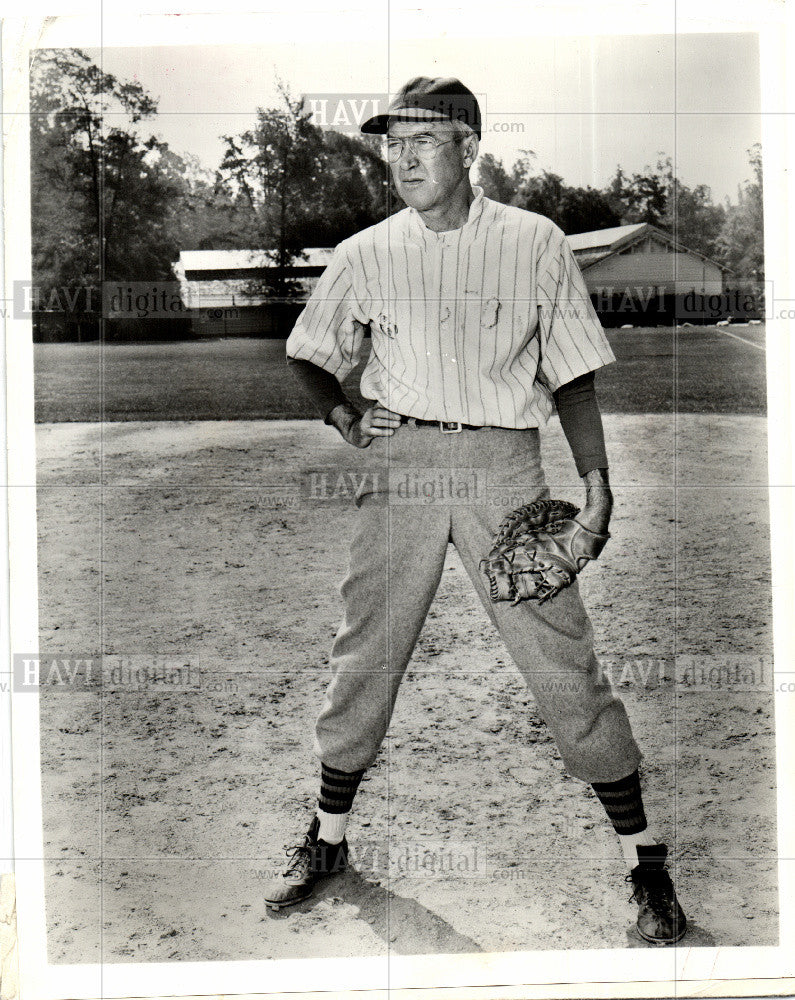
(450, 426)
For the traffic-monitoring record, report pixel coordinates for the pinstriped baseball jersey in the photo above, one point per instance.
(479, 324)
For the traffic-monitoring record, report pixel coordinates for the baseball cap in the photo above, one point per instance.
(443, 98)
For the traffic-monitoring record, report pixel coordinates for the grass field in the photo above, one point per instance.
(694, 370)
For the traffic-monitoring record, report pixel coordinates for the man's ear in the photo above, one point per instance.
(471, 145)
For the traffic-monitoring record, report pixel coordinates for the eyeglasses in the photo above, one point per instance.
(423, 146)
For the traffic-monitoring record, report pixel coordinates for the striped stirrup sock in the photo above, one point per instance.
(623, 804)
(337, 791)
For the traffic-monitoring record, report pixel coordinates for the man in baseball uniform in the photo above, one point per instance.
(481, 324)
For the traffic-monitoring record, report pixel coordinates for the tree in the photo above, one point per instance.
(302, 186)
(275, 167)
(495, 180)
(75, 109)
(106, 198)
(649, 198)
(582, 210)
(692, 219)
(64, 237)
(617, 195)
(354, 189)
(740, 244)
(659, 197)
(539, 192)
(644, 196)
(210, 216)
(575, 210)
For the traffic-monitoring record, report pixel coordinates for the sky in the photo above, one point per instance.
(583, 105)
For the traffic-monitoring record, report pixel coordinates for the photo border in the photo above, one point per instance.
(685, 971)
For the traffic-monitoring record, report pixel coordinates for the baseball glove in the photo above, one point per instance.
(539, 549)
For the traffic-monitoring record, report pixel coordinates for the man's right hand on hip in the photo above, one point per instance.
(360, 429)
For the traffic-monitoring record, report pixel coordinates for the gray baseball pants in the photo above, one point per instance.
(436, 488)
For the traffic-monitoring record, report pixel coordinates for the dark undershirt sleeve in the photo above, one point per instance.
(582, 423)
(321, 386)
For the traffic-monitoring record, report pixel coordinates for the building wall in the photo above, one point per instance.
(667, 272)
(273, 320)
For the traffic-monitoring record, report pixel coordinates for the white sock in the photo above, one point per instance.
(332, 826)
(629, 844)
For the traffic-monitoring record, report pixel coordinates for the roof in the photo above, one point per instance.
(247, 260)
(604, 238)
(590, 248)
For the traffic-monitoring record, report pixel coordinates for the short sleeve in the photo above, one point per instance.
(572, 341)
(327, 332)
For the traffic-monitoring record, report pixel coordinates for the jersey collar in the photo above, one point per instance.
(419, 232)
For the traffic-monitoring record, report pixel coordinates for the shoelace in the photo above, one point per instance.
(300, 858)
(658, 887)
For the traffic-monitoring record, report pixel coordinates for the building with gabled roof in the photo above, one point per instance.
(228, 290)
(642, 254)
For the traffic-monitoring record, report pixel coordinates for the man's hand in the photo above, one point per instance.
(378, 421)
(360, 429)
(599, 501)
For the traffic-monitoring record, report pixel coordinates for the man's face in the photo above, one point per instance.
(429, 182)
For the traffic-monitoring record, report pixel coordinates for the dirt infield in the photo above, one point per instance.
(188, 541)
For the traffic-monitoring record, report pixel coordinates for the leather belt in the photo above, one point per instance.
(445, 426)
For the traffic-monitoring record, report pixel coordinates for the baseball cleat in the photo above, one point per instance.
(309, 861)
(660, 917)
